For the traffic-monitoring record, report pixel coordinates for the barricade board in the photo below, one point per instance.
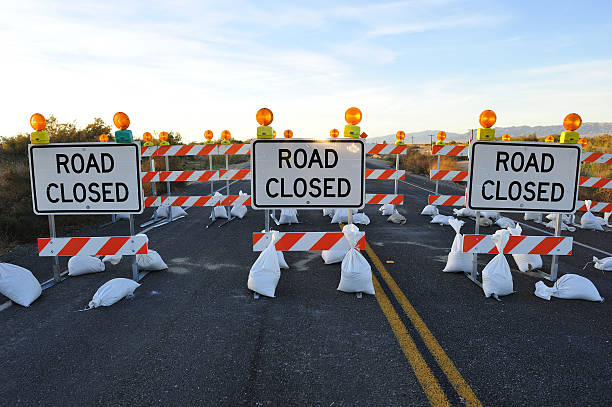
(85, 178)
(519, 177)
(308, 174)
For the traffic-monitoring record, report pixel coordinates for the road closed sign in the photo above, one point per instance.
(77, 179)
(519, 177)
(308, 174)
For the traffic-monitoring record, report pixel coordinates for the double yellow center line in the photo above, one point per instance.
(430, 385)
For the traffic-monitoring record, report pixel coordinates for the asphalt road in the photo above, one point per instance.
(194, 335)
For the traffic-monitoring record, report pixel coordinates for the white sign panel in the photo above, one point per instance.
(85, 178)
(519, 177)
(308, 174)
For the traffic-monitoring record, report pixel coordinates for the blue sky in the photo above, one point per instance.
(189, 66)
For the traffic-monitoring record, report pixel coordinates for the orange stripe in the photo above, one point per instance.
(461, 176)
(112, 245)
(398, 149)
(184, 150)
(435, 149)
(149, 200)
(288, 240)
(164, 174)
(201, 201)
(206, 175)
(73, 246)
(327, 241)
(593, 157)
(601, 183)
(439, 175)
(456, 150)
(403, 176)
(241, 174)
(387, 174)
(361, 243)
(546, 245)
(398, 200)
(452, 199)
(368, 172)
(143, 250)
(513, 241)
(377, 149)
(162, 150)
(179, 201)
(248, 201)
(376, 198)
(42, 243)
(206, 149)
(228, 200)
(583, 180)
(233, 149)
(432, 198)
(257, 237)
(222, 173)
(184, 175)
(470, 241)
(148, 176)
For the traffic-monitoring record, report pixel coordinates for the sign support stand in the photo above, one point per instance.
(555, 261)
(56, 266)
(167, 182)
(474, 275)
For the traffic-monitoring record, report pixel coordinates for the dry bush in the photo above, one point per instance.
(416, 162)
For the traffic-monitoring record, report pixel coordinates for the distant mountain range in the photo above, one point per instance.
(587, 130)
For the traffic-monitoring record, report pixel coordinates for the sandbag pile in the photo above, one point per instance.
(341, 216)
(79, 265)
(464, 213)
(355, 271)
(604, 264)
(237, 210)
(504, 222)
(113, 291)
(218, 212)
(588, 220)
(288, 217)
(265, 272)
(525, 262)
(457, 260)
(430, 210)
(165, 211)
(441, 219)
(496, 276)
(386, 209)
(19, 284)
(569, 287)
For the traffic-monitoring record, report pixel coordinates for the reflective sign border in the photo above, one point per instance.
(32, 147)
(254, 176)
(475, 144)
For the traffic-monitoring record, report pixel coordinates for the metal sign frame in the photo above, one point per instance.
(496, 205)
(106, 147)
(358, 142)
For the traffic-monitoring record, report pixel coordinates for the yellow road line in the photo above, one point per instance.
(445, 363)
(426, 379)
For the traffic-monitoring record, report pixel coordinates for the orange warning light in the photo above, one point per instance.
(146, 136)
(264, 116)
(572, 121)
(333, 133)
(103, 138)
(487, 119)
(163, 136)
(352, 116)
(549, 139)
(441, 136)
(208, 135)
(226, 135)
(583, 141)
(288, 134)
(273, 133)
(38, 122)
(400, 135)
(506, 137)
(121, 120)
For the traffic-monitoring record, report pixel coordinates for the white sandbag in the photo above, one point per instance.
(397, 218)
(457, 260)
(525, 262)
(18, 284)
(441, 219)
(333, 256)
(430, 210)
(386, 209)
(604, 264)
(288, 217)
(151, 261)
(588, 220)
(493, 215)
(569, 287)
(605, 221)
(485, 222)
(238, 210)
(355, 271)
(265, 272)
(567, 218)
(78, 265)
(361, 218)
(218, 212)
(281, 260)
(329, 212)
(112, 291)
(552, 224)
(112, 259)
(533, 216)
(504, 222)
(341, 215)
(464, 213)
(496, 276)
(164, 211)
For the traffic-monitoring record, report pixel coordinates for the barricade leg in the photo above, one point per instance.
(135, 275)
(438, 168)
(396, 181)
(474, 275)
(152, 169)
(56, 266)
(167, 182)
(212, 183)
(555, 261)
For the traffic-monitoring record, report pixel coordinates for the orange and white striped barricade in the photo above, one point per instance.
(305, 241)
(542, 245)
(93, 246)
(387, 149)
(459, 200)
(447, 150)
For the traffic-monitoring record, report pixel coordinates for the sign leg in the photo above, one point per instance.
(555, 261)
(267, 224)
(475, 256)
(350, 216)
(56, 266)
(134, 265)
